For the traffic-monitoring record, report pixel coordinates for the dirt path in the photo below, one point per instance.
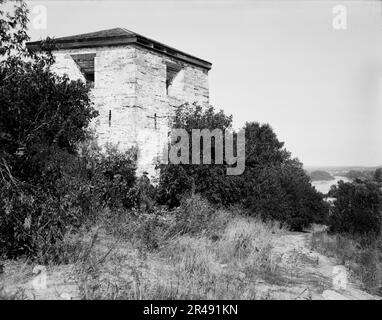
(311, 274)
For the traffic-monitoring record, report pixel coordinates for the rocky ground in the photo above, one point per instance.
(314, 275)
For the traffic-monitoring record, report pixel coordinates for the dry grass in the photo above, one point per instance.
(220, 263)
(16, 295)
(172, 255)
(196, 252)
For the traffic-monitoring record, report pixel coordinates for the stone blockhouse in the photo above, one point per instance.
(136, 84)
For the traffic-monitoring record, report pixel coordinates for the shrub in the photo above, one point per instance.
(150, 230)
(357, 209)
(193, 216)
(273, 185)
(111, 173)
(208, 180)
(250, 240)
(141, 195)
(378, 175)
(174, 184)
(43, 117)
(71, 191)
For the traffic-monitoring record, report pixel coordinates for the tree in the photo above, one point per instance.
(209, 180)
(357, 209)
(43, 117)
(38, 108)
(378, 175)
(273, 185)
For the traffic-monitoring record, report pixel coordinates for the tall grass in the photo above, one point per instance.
(221, 258)
(193, 252)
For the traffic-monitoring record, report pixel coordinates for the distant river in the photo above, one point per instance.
(324, 186)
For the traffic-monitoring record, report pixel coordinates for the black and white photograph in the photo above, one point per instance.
(196, 153)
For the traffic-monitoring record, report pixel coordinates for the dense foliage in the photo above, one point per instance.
(357, 209)
(378, 175)
(209, 180)
(46, 188)
(273, 185)
(359, 174)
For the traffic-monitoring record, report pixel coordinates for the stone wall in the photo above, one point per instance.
(130, 82)
(189, 85)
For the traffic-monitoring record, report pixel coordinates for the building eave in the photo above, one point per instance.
(138, 40)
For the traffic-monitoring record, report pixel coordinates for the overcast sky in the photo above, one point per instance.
(276, 62)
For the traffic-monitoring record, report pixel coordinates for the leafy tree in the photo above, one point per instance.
(357, 209)
(38, 108)
(209, 180)
(273, 185)
(262, 146)
(43, 117)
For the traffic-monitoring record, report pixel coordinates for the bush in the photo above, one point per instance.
(378, 175)
(357, 209)
(43, 117)
(209, 180)
(174, 185)
(193, 216)
(273, 185)
(35, 215)
(111, 173)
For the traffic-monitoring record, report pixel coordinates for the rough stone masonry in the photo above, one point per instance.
(136, 85)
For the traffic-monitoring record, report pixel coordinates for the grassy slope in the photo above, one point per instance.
(227, 256)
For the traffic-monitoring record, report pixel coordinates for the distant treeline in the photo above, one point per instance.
(320, 175)
(358, 174)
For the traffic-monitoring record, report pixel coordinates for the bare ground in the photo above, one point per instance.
(311, 273)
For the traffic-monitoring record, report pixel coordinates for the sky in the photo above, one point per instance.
(279, 62)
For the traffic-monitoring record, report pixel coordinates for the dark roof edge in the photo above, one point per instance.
(124, 40)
